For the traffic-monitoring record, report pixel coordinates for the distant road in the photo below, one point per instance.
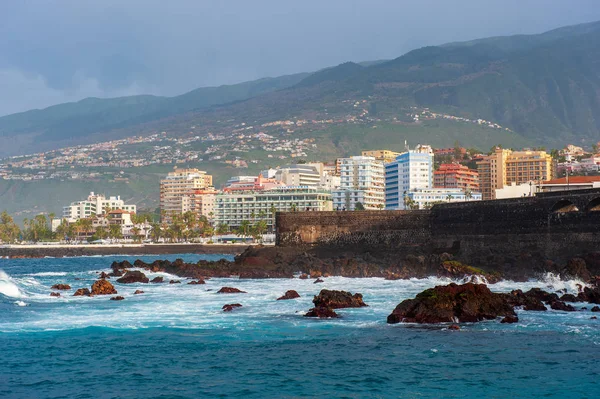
(62, 250)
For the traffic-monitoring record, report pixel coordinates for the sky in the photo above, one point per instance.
(55, 51)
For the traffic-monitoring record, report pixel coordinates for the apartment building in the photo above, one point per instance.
(410, 171)
(506, 167)
(425, 198)
(231, 208)
(95, 204)
(361, 180)
(384, 156)
(177, 188)
(455, 175)
(299, 175)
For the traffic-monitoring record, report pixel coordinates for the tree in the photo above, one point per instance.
(449, 197)
(114, 231)
(258, 229)
(244, 228)
(136, 234)
(222, 229)
(359, 206)
(9, 231)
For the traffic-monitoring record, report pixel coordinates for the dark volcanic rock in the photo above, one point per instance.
(456, 270)
(577, 268)
(104, 276)
(318, 281)
(116, 298)
(103, 287)
(290, 294)
(321, 313)
(338, 299)
(133, 276)
(231, 306)
(158, 279)
(61, 287)
(559, 305)
(82, 292)
(526, 300)
(569, 298)
(121, 265)
(595, 309)
(303, 276)
(197, 282)
(138, 292)
(174, 282)
(230, 290)
(116, 273)
(541, 295)
(55, 294)
(454, 327)
(509, 319)
(445, 304)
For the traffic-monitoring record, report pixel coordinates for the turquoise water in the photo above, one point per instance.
(174, 341)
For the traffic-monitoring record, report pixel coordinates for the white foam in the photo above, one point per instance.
(47, 274)
(8, 287)
(21, 303)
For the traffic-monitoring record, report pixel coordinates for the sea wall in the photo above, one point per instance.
(503, 233)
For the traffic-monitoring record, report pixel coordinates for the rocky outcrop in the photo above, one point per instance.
(82, 292)
(338, 299)
(61, 287)
(456, 270)
(55, 294)
(231, 306)
(133, 276)
(174, 282)
(452, 303)
(529, 300)
(318, 281)
(104, 276)
(290, 294)
(117, 298)
(559, 305)
(303, 276)
(595, 309)
(230, 290)
(157, 279)
(137, 292)
(197, 282)
(103, 287)
(509, 319)
(577, 268)
(321, 312)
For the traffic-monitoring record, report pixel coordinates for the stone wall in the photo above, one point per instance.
(504, 233)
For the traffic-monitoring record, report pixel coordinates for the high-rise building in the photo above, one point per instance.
(177, 188)
(455, 175)
(299, 175)
(384, 156)
(361, 180)
(506, 167)
(411, 170)
(95, 204)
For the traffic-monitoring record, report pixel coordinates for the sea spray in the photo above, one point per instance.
(8, 287)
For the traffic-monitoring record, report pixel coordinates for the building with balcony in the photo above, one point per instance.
(177, 188)
(425, 198)
(384, 156)
(361, 181)
(455, 175)
(95, 204)
(410, 171)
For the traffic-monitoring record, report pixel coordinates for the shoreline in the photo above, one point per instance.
(60, 251)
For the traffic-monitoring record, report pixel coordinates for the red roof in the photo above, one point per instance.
(574, 180)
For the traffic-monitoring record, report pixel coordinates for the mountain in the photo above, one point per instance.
(543, 87)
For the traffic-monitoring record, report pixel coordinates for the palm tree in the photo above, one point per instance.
(244, 228)
(449, 197)
(222, 229)
(114, 231)
(136, 234)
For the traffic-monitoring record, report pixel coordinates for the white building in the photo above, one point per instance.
(425, 198)
(232, 208)
(361, 180)
(299, 175)
(95, 204)
(410, 171)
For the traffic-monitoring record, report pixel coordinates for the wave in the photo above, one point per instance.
(47, 274)
(8, 287)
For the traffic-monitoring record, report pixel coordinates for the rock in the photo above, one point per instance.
(104, 276)
(103, 287)
(453, 303)
(593, 318)
(318, 281)
(315, 274)
(158, 279)
(137, 292)
(116, 273)
(230, 290)
(174, 282)
(321, 313)
(590, 294)
(196, 282)
(55, 294)
(509, 319)
(303, 276)
(541, 295)
(559, 305)
(569, 298)
(82, 292)
(596, 309)
(61, 287)
(527, 300)
(456, 270)
(230, 307)
(577, 268)
(338, 299)
(121, 265)
(133, 276)
(455, 327)
(116, 298)
(290, 294)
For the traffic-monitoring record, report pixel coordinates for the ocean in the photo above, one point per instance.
(174, 341)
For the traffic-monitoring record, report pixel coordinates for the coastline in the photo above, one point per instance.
(59, 251)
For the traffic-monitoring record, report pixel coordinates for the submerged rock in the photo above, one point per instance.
(231, 306)
(61, 287)
(290, 294)
(55, 294)
(103, 287)
(158, 279)
(174, 282)
(82, 292)
(321, 312)
(104, 276)
(452, 303)
(509, 319)
(133, 276)
(596, 309)
(454, 327)
(303, 276)
(137, 292)
(200, 281)
(559, 305)
(230, 290)
(338, 299)
(117, 298)
(318, 281)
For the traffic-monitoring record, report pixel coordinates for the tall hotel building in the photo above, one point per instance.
(182, 190)
(361, 180)
(412, 170)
